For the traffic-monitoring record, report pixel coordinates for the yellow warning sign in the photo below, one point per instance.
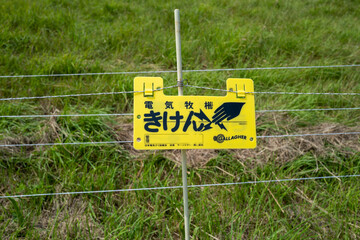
(193, 122)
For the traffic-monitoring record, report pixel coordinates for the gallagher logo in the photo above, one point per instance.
(221, 138)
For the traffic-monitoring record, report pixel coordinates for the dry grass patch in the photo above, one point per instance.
(284, 149)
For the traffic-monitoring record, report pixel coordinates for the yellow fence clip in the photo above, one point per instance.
(148, 89)
(240, 91)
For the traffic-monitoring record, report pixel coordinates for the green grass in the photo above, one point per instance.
(53, 36)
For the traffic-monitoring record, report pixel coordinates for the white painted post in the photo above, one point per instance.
(183, 152)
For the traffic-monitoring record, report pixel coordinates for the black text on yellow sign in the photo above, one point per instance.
(193, 122)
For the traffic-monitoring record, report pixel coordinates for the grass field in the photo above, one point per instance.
(75, 36)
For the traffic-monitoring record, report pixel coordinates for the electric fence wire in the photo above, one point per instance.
(68, 115)
(81, 94)
(306, 110)
(282, 93)
(116, 142)
(62, 144)
(131, 114)
(178, 187)
(174, 86)
(309, 135)
(174, 71)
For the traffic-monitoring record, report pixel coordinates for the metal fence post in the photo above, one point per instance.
(183, 152)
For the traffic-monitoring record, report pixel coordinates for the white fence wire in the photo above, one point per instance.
(281, 93)
(116, 142)
(131, 114)
(178, 187)
(306, 110)
(174, 86)
(174, 71)
(81, 94)
(68, 115)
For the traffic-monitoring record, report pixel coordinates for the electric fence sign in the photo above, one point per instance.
(193, 122)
